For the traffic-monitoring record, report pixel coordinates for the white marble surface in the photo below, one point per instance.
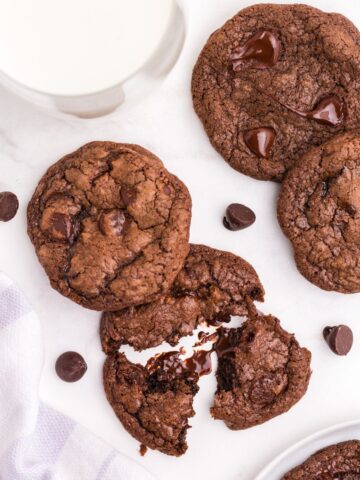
(163, 121)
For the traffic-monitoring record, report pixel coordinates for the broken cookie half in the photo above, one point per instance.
(212, 286)
(154, 402)
(262, 372)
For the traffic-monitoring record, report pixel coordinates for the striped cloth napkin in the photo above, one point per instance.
(36, 441)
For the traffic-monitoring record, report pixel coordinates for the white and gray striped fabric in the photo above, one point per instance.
(36, 441)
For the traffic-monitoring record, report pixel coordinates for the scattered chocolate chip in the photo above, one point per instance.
(260, 140)
(62, 225)
(238, 216)
(143, 449)
(112, 223)
(9, 205)
(263, 49)
(339, 339)
(70, 366)
(128, 194)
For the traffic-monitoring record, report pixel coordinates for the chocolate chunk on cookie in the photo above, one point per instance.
(110, 225)
(337, 462)
(153, 403)
(319, 211)
(274, 81)
(262, 372)
(211, 286)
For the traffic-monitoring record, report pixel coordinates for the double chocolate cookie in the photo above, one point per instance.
(212, 286)
(319, 211)
(262, 372)
(110, 225)
(274, 81)
(154, 402)
(337, 462)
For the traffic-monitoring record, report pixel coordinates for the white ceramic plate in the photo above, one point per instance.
(299, 452)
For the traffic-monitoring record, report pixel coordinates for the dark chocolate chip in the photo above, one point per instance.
(143, 449)
(263, 49)
(339, 339)
(70, 366)
(112, 223)
(9, 205)
(330, 110)
(128, 194)
(63, 225)
(260, 140)
(238, 216)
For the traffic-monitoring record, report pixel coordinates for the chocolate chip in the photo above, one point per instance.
(70, 366)
(9, 205)
(143, 449)
(330, 110)
(260, 140)
(238, 216)
(112, 223)
(128, 194)
(62, 225)
(263, 49)
(339, 339)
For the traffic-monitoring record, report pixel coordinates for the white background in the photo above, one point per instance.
(164, 122)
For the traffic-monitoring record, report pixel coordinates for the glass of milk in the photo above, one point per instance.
(76, 56)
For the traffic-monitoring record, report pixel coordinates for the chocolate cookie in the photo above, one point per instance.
(274, 81)
(211, 286)
(262, 372)
(319, 210)
(153, 403)
(110, 225)
(337, 462)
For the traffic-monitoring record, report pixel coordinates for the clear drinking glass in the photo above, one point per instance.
(79, 57)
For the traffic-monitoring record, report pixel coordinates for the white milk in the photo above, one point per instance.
(79, 47)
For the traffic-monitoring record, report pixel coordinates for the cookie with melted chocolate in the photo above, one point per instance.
(110, 225)
(274, 81)
(211, 286)
(319, 211)
(262, 372)
(153, 403)
(336, 462)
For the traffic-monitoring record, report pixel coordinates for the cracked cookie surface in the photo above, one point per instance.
(274, 81)
(153, 405)
(211, 286)
(336, 462)
(319, 211)
(110, 225)
(262, 372)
